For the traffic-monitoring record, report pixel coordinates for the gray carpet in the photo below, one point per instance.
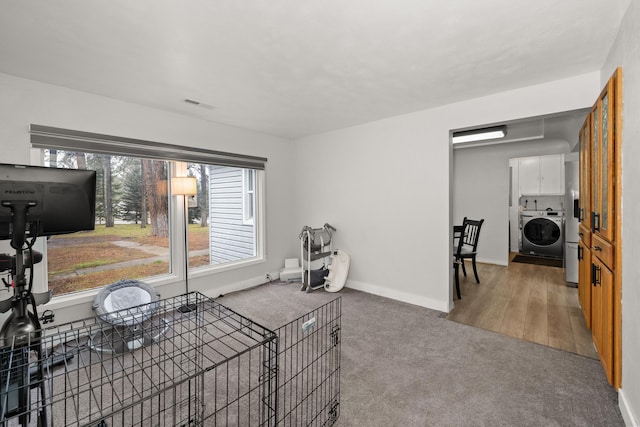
(404, 365)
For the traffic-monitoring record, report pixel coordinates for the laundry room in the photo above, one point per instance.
(537, 207)
(542, 223)
(488, 181)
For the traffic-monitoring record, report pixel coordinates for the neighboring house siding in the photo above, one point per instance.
(231, 239)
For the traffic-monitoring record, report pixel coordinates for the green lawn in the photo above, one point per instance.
(97, 248)
(127, 230)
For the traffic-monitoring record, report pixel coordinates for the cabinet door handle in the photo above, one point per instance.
(597, 248)
(596, 275)
(580, 214)
(595, 222)
(580, 254)
(581, 234)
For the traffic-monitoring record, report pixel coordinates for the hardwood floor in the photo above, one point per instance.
(524, 301)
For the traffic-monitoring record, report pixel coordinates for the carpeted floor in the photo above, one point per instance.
(404, 365)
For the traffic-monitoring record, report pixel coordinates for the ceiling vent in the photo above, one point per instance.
(199, 104)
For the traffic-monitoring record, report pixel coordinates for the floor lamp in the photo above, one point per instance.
(185, 186)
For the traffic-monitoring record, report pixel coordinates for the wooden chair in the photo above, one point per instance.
(466, 248)
(457, 232)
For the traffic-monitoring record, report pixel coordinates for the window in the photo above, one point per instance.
(132, 232)
(133, 236)
(221, 213)
(131, 239)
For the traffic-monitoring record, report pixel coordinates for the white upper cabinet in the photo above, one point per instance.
(541, 175)
(552, 174)
(529, 175)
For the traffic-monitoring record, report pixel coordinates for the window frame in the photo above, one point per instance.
(55, 138)
(248, 196)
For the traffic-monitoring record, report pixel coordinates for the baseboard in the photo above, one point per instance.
(493, 261)
(359, 286)
(238, 286)
(627, 414)
(399, 295)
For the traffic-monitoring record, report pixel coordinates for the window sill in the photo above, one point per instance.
(203, 271)
(87, 297)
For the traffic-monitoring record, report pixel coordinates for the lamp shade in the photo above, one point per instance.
(184, 186)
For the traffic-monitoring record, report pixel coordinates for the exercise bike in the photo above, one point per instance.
(20, 333)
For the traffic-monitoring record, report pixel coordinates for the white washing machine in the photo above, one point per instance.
(542, 233)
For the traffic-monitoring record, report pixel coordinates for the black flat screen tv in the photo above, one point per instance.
(58, 201)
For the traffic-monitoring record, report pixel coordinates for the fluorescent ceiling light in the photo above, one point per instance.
(482, 134)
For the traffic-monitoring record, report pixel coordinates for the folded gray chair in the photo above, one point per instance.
(127, 306)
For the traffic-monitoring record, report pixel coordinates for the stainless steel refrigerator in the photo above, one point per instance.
(572, 194)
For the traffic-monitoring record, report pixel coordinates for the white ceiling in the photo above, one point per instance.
(293, 67)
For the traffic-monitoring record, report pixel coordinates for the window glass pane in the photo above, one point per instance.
(218, 230)
(131, 239)
(248, 208)
(198, 225)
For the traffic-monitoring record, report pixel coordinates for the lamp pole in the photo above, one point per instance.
(185, 187)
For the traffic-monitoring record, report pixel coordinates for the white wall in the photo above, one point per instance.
(626, 53)
(386, 186)
(24, 102)
(481, 190)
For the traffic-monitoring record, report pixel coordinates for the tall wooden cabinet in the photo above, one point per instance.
(599, 282)
(584, 229)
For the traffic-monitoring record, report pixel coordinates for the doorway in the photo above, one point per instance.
(508, 291)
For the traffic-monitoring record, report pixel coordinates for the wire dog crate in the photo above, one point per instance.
(309, 367)
(208, 367)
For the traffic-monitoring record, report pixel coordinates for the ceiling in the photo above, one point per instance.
(294, 68)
